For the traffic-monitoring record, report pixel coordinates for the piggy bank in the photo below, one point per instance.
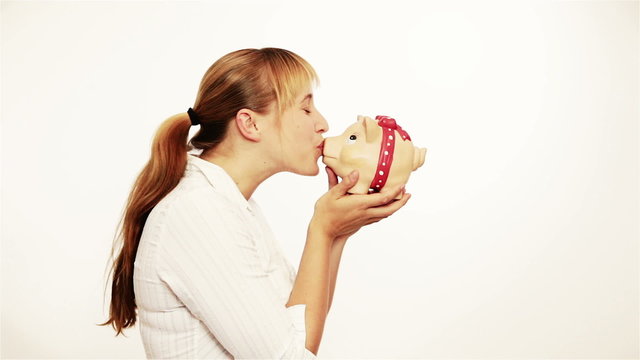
(379, 149)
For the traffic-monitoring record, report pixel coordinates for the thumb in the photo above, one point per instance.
(333, 179)
(347, 183)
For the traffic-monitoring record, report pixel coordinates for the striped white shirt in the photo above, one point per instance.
(210, 279)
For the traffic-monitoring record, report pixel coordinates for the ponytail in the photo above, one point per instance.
(159, 176)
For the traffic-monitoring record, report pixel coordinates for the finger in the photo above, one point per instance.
(347, 183)
(392, 190)
(386, 210)
(372, 220)
(332, 177)
(384, 197)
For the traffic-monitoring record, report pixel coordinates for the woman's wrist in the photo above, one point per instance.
(341, 239)
(321, 230)
(325, 230)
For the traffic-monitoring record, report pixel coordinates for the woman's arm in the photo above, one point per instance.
(315, 287)
(318, 267)
(337, 216)
(311, 286)
(334, 263)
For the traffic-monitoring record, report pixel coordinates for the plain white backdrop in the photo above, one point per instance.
(520, 240)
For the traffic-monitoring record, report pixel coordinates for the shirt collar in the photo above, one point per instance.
(218, 178)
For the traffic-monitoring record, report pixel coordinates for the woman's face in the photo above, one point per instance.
(301, 137)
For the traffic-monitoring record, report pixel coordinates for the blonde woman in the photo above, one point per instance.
(197, 261)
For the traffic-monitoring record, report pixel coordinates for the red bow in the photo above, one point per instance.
(390, 123)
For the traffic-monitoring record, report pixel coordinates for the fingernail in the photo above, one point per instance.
(352, 176)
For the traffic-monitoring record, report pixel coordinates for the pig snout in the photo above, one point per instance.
(332, 147)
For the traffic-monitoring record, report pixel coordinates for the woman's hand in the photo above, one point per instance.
(340, 214)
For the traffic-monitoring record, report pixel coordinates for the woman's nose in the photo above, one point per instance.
(323, 125)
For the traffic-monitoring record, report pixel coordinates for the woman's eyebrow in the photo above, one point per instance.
(308, 96)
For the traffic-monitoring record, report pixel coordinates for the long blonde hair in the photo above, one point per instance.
(247, 78)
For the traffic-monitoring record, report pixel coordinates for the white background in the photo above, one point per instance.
(520, 240)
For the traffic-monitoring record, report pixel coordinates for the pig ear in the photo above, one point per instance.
(370, 129)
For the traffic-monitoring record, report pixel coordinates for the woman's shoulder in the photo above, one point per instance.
(200, 198)
(196, 213)
(188, 200)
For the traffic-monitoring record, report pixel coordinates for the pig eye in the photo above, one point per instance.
(352, 139)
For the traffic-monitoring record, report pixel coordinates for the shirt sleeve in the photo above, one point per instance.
(209, 260)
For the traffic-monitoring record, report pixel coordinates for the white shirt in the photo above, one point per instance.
(210, 279)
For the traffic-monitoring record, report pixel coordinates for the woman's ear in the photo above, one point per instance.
(246, 123)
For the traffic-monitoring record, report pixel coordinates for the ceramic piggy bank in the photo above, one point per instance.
(379, 149)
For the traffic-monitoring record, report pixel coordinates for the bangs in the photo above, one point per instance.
(289, 76)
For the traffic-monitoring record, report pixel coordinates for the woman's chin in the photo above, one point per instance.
(312, 170)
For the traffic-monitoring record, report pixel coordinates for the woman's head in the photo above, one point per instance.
(262, 89)
(297, 144)
(266, 81)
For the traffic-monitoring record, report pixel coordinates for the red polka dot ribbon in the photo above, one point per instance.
(387, 146)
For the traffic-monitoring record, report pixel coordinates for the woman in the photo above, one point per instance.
(198, 260)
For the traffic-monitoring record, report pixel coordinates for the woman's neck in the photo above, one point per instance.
(247, 171)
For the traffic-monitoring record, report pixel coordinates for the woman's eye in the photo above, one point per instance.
(352, 139)
(307, 111)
